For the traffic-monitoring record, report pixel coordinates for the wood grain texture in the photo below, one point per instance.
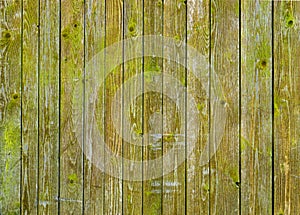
(174, 122)
(286, 107)
(30, 101)
(198, 23)
(152, 123)
(133, 108)
(113, 186)
(95, 42)
(10, 106)
(256, 118)
(49, 87)
(72, 60)
(57, 95)
(224, 166)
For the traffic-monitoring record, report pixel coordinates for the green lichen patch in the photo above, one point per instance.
(183, 1)
(65, 33)
(289, 19)
(6, 34)
(290, 22)
(177, 38)
(15, 96)
(159, 3)
(5, 38)
(262, 64)
(9, 166)
(132, 28)
(72, 178)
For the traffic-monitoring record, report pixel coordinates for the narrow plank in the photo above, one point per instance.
(30, 98)
(174, 118)
(152, 123)
(49, 108)
(113, 185)
(133, 122)
(95, 42)
(256, 115)
(224, 106)
(198, 38)
(10, 106)
(72, 58)
(286, 107)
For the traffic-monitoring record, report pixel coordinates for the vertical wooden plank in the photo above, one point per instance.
(152, 123)
(174, 121)
(30, 99)
(256, 118)
(114, 33)
(95, 42)
(133, 123)
(72, 58)
(286, 107)
(197, 174)
(10, 104)
(49, 107)
(224, 106)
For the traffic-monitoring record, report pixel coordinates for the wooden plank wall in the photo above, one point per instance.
(246, 158)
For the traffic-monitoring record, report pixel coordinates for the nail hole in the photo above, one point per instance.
(15, 96)
(65, 35)
(264, 63)
(290, 23)
(7, 35)
(131, 28)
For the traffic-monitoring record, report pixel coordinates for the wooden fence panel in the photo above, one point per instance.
(95, 42)
(72, 65)
(256, 104)
(224, 73)
(133, 108)
(114, 33)
(10, 105)
(152, 123)
(173, 107)
(198, 30)
(49, 108)
(30, 101)
(286, 107)
(224, 108)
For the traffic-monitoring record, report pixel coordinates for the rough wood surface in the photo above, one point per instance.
(95, 41)
(72, 65)
(113, 203)
(49, 87)
(286, 107)
(173, 118)
(197, 175)
(30, 101)
(152, 123)
(224, 166)
(256, 100)
(133, 108)
(58, 99)
(10, 106)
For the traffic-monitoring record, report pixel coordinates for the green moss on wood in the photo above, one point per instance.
(159, 3)
(73, 178)
(132, 28)
(290, 22)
